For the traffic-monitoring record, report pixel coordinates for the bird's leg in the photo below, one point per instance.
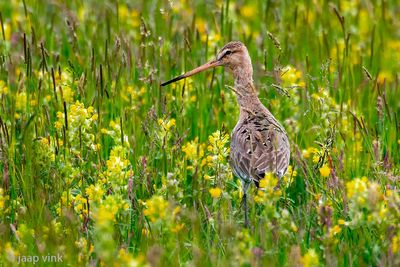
(246, 215)
(245, 186)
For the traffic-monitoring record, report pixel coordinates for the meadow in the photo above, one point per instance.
(103, 167)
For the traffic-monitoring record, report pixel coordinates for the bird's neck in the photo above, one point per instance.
(246, 93)
(247, 97)
(243, 74)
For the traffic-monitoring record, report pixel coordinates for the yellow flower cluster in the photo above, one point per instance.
(358, 189)
(368, 204)
(193, 150)
(177, 227)
(267, 190)
(104, 215)
(137, 95)
(292, 77)
(162, 214)
(248, 11)
(325, 171)
(106, 211)
(396, 243)
(215, 192)
(312, 151)
(334, 231)
(3, 200)
(244, 244)
(65, 201)
(310, 259)
(130, 16)
(84, 249)
(81, 205)
(156, 208)
(217, 143)
(64, 84)
(126, 259)
(95, 192)
(117, 167)
(80, 126)
(217, 147)
(211, 161)
(21, 101)
(286, 223)
(166, 126)
(3, 88)
(290, 175)
(25, 233)
(68, 94)
(115, 132)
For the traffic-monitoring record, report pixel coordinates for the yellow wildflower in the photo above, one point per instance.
(193, 150)
(395, 244)
(215, 192)
(3, 199)
(218, 140)
(3, 88)
(117, 166)
(356, 187)
(334, 230)
(325, 171)
(170, 124)
(259, 198)
(268, 182)
(145, 231)
(108, 209)
(156, 208)
(384, 76)
(104, 215)
(125, 259)
(293, 226)
(68, 94)
(7, 31)
(176, 211)
(201, 25)
(10, 253)
(291, 173)
(307, 153)
(248, 11)
(80, 204)
(95, 192)
(58, 125)
(20, 102)
(177, 228)
(310, 258)
(292, 77)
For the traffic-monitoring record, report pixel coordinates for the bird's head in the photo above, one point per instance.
(233, 55)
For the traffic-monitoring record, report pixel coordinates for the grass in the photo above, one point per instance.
(102, 166)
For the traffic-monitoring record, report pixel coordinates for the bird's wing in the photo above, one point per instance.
(259, 144)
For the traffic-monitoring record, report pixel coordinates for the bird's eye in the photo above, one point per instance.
(228, 53)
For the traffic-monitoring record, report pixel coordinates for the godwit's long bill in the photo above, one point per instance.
(208, 65)
(259, 144)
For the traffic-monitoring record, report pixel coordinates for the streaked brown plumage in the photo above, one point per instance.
(259, 144)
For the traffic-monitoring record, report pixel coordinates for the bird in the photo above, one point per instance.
(259, 143)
